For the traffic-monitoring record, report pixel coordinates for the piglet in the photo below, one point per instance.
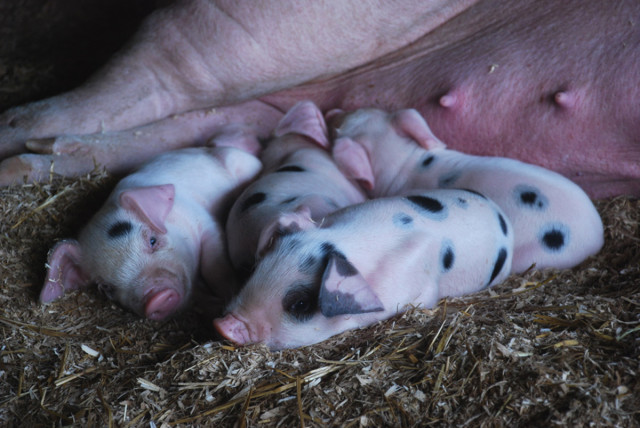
(367, 262)
(298, 177)
(555, 222)
(158, 235)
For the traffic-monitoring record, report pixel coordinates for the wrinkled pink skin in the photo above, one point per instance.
(158, 239)
(382, 152)
(386, 242)
(554, 83)
(301, 141)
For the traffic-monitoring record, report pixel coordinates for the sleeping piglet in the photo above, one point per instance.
(158, 235)
(555, 222)
(367, 262)
(298, 175)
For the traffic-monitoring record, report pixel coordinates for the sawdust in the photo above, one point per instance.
(544, 348)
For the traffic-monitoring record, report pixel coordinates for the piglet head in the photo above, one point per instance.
(132, 252)
(301, 293)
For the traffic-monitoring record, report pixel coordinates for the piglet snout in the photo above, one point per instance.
(234, 329)
(161, 304)
(162, 298)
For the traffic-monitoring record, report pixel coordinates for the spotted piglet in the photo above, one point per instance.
(299, 178)
(555, 222)
(158, 234)
(367, 262)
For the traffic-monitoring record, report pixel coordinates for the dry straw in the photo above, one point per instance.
(542, 349)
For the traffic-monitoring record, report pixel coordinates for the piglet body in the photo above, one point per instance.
(366, 262)
(555, 222)
(158, 234)
(298, 175)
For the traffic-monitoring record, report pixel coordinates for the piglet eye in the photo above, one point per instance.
(301, 303)
(300, 306)
(153, 241)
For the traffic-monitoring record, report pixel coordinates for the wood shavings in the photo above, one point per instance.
(542, 349)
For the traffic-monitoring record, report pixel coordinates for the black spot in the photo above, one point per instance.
(290, 168)
(427, 203)
(553, 239)
(120, 228)
(251, 200)
(449, 179)
(503, 224)
(428, 161)
(447, 259)
(402, 220)
(301, 301)
(502, 257)
(530, 197)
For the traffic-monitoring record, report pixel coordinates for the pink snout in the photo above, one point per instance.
(233, 329)
(162, 304)
(162, 299)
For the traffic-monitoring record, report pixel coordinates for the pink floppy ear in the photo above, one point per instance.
(353, 160)
(285, 224)
(411, 124)
(345, 291)
(150, 204)
(305, 119)
(64, 272)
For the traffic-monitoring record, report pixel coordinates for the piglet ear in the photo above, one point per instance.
(151, 204)
(286, 224)
(240, 164)
(64, 271)
(411, 124)
(353, 160)
(304, 118)
(345, 291)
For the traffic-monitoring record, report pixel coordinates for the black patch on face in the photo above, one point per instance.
(448, 257)
(428, 161)
(327, 248)
(503, 224)
(119, 229)
(252, 200)
(290, 168)
(449, 179)
(427, 203)
(301, 301)
(530, 197)
(553, 239)
(497, 267)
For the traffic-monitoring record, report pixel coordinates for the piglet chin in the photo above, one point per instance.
(233, 329)
(162, 304)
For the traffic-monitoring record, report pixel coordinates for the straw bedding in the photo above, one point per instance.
(542, 349)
